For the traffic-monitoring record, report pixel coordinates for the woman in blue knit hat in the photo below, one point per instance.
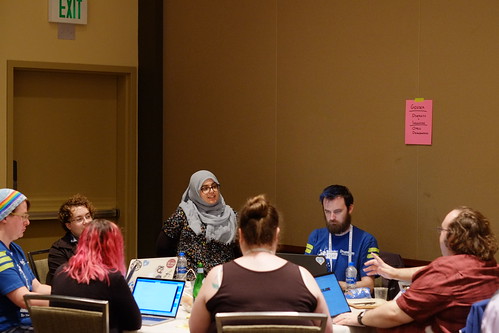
(16, 278)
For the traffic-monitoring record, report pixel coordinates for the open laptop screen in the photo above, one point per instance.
(158, 297)
(335, 298)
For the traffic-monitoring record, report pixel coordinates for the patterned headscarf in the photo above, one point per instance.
(219, 218)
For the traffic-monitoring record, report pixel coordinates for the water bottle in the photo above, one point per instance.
(199, 280)
(351, 276)
(181, 266)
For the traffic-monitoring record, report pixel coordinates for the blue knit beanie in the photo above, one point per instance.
(9, 200)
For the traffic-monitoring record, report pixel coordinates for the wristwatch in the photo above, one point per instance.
(360, 316)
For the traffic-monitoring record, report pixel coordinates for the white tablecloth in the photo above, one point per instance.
(181, 325)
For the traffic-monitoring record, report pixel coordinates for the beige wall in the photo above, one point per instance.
(286, 97)
(109, 38)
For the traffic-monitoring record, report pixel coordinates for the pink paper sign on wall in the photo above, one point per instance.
(418, 121)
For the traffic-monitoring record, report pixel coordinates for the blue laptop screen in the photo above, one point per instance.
(335, 299)
(158, 297)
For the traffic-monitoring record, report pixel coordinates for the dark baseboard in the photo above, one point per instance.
(301, 249)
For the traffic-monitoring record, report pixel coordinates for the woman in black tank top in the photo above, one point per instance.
(259, 280)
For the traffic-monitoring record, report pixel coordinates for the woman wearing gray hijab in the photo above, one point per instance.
(203, 226)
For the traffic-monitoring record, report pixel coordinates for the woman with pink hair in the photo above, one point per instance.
(97, 271)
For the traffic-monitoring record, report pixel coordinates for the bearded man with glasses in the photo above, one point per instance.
(441, 293)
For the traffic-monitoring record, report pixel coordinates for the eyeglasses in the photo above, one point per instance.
(24, 217)
(206, 189)
(440, 229)
(81, 219)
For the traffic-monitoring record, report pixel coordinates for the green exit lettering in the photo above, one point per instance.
(70, 9)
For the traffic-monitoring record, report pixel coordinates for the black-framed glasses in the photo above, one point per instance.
(24, 217)
(206, 188)
(440, 229)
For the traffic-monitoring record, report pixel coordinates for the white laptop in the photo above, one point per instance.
(331, 289)
(163, 267)
(158, 299)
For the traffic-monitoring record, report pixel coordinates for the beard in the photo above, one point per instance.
(337, 227)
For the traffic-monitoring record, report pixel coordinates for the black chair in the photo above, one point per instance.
(38, 262)
(394, 260)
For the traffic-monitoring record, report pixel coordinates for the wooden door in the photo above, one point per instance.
(72, 130)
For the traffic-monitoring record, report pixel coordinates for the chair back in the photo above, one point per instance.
(63, 314)
(394, 260)
(38, 262)
(257, 322)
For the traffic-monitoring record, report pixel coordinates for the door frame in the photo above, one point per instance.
(126, 177)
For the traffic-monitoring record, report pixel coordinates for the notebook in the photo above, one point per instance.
(335, 298)
(158, 299)
(315, 264)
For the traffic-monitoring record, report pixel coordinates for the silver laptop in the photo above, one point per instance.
(158, 299)
(315, 264)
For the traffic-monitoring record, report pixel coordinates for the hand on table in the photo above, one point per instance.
(347, 319)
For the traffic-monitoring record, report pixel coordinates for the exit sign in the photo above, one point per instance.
(68, 11)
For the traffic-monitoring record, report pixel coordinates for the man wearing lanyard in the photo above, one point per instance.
(341, 242)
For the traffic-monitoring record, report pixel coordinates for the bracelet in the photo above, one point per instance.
(359, 318)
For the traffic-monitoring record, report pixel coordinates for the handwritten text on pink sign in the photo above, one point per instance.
(418, 122)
